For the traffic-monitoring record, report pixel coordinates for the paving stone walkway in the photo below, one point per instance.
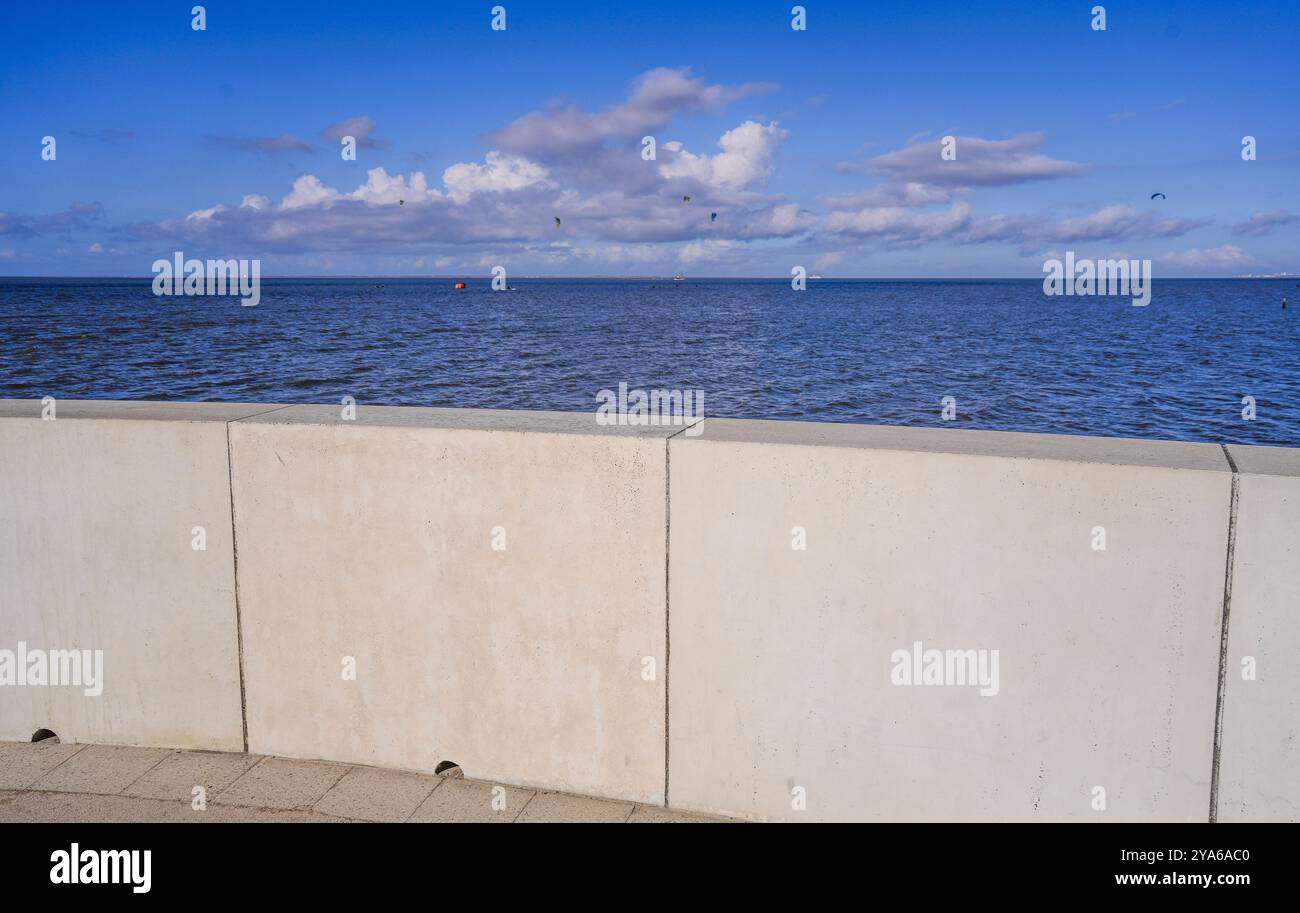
(50, 781)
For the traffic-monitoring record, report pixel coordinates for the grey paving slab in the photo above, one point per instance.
(371, 794)
(122, 784)
(283, 784)
(23, 763)
(176, 777)
(35, 807)
(653, 814)
(472, 801)
(565, 809)
(233, 814)
(103, 769)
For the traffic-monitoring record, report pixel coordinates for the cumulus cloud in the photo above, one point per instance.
(583, 167)
(979, 162)
(899, 211)
(307, 191)
(499, 173)
(1263, 223)
(504, 198)
(746, 157)
(655, 97)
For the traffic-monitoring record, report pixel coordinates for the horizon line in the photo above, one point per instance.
(465, 277)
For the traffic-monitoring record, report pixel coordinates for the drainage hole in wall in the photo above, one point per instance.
(45, 735)
(448, 769)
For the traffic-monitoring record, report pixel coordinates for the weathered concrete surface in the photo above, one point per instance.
(102, 769)
(241, 787)
(1259, 772)
(782, 659)
(471, 802)
(97, 509)
(372, 540)
(176, 775)
(372, 794)
(283, 784)
(23, 763)
(556, 808)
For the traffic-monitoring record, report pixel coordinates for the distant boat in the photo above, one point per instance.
(460, 285)
(814, 277)
(679, 278)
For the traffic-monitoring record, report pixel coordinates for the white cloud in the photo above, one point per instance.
(204, 215)
(707, 250)
(655, 97)
(979, 162)
(1226, 257)
(309, 191)
(499, 173)
(746, 157)
(383, 189)
(1120, 223)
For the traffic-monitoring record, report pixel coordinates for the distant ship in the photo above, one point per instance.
(679, 278)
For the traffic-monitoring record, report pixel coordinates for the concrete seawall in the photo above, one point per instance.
(1260, 764)
(773, 620)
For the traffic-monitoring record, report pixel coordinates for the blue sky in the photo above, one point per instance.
(223, 143)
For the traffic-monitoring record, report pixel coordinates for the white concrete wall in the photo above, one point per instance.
(1259, 772)
(96, 512)
(781, 659)
(372, 539)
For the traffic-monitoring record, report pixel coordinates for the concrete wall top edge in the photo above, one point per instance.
(1007, 444)
(1284, 461)
(516, 420)
(134, 410)
(1266, 461)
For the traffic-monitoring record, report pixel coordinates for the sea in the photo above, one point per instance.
(1207, 360)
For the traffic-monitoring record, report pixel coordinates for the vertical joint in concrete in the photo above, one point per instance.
(234, 548)
(668, 506)
(1223, 636)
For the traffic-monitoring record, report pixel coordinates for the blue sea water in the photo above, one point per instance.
(876, 351)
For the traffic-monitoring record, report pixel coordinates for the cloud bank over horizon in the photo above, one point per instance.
(564, 189)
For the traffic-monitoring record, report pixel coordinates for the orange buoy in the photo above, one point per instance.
(460, 285)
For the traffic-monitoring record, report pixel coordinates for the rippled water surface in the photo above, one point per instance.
(850, 351)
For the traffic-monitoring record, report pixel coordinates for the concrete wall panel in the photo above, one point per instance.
(372, 539)
(782, 659)
(1259, 771)
(97, 509)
